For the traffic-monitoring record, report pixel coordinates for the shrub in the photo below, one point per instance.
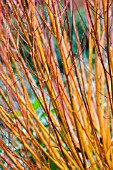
(56, 84)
